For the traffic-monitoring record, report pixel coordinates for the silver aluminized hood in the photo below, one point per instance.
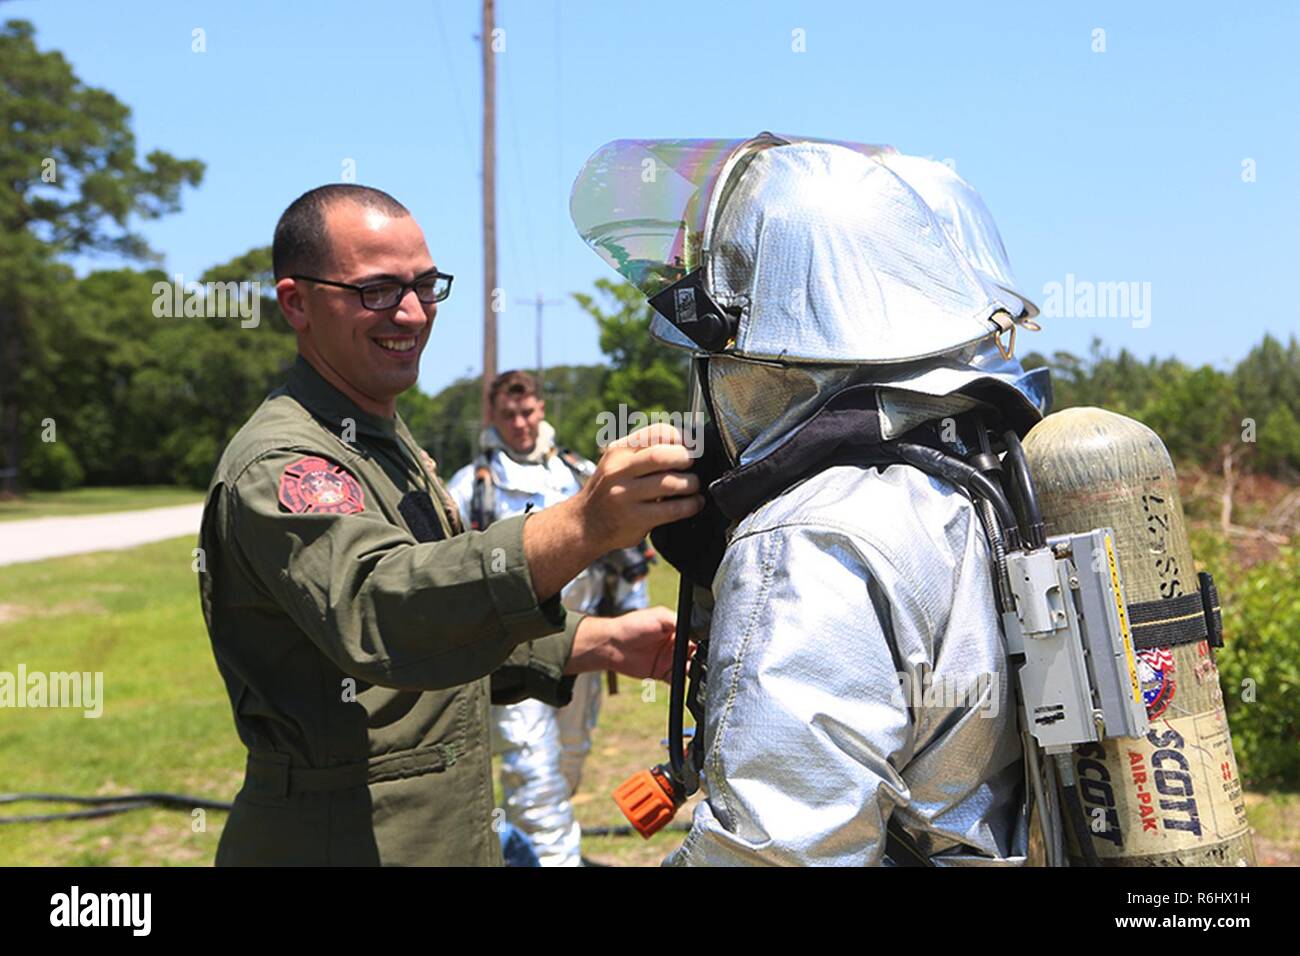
(829, 257)
(847, 264)
(643, 205)
(965, 218)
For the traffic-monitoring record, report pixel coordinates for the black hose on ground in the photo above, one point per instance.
(106, 806)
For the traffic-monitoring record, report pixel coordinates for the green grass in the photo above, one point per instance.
(166, 725)
(85, 501)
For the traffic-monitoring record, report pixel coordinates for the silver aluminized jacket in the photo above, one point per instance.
(856, 669)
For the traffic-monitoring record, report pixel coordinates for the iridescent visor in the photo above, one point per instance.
(641, 204)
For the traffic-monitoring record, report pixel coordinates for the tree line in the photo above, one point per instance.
(113, 394)
(1208, 418)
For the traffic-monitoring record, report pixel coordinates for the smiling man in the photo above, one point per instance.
(360, 631)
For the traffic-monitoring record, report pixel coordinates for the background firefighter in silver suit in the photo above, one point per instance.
(860, 708)
(543, 747)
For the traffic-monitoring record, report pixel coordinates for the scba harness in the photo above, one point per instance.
(483, 500)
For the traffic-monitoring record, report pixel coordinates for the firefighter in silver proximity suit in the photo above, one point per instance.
(859, 701)
(543, 748)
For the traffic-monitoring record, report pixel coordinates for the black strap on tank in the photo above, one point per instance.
(1178, 620)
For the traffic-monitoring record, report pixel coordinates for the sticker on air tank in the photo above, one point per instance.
(1155, 668)
(1175, 789)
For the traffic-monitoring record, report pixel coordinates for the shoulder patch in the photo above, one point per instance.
(316, 486)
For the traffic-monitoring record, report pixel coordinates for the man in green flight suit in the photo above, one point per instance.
(360, 631)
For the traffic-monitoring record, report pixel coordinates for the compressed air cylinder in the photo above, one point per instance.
(1173, 798)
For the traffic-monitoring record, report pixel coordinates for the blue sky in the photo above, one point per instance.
(1117, 166)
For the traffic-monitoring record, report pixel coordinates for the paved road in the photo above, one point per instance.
(34, 539)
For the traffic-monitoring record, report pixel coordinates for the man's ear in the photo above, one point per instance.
(292, 304)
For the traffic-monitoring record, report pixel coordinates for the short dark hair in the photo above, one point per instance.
(514, 383)
(302, 243)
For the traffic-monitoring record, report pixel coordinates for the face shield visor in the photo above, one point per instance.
(643, 205)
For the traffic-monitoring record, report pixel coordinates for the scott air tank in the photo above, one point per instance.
(1174, 797)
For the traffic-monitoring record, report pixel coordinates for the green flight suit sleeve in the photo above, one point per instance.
(385, 608)
(536, 669)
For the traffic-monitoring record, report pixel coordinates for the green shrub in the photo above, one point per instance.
(195, 460)
(51, 466)
(1259, 667)
(1279, 441)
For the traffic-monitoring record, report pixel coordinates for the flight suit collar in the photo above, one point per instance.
(325, 401)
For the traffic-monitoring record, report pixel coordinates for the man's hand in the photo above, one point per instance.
(638, 644)
(640, 483)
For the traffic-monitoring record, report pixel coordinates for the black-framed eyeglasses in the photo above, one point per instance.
(429, 288)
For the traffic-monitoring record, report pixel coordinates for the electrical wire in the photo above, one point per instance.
(521, 180)
(451, 72)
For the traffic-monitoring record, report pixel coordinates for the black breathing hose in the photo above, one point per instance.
(1022, 491)
(942, 465)
(677, 688)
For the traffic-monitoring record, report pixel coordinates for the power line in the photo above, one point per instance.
(540, 303)
(560, 192)
(531, 238)
(451, 73)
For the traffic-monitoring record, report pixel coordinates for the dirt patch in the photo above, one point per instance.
(1276, 853)
(17, 612)
(1275, 818)
(1265, 512)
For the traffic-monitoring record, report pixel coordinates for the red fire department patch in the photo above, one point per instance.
(317, 486)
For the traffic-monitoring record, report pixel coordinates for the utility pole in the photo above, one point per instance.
(540, 303)
(489, 207)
